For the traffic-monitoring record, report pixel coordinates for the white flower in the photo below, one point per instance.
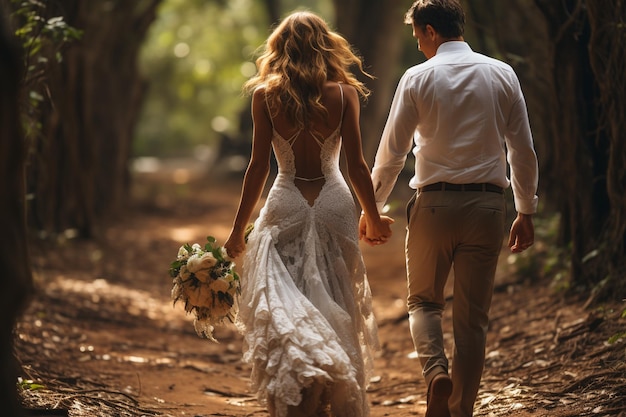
(200, 296)
(193, 263)
(196, 248)
(220, 284)
(197, 261)
(184, 273)
(210, 299)
(203, 275)
(207, 261)
(182, 253)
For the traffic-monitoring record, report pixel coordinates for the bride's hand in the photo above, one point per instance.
(235, 245)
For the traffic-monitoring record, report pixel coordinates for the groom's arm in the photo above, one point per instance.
(396, 141)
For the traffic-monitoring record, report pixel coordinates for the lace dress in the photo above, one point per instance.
(305, 309)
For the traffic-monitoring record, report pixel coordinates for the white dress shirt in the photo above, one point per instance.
(465, 115)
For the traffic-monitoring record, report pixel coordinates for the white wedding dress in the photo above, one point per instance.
(305, 309)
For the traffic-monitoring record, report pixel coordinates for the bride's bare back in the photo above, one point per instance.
(306, 144)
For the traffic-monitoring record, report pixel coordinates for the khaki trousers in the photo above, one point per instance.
(464, 230)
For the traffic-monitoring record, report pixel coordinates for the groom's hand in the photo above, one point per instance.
(522, 235)
(382, 232)
(385, 232)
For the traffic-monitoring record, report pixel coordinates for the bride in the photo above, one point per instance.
(305, 310)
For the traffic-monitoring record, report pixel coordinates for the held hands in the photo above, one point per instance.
(522, 234)
(377, 232)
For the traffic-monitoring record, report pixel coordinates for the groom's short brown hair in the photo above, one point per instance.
(445, 16)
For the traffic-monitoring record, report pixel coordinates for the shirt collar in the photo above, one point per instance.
(453, 46)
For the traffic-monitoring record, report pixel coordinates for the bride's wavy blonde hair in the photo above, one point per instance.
(300, 55)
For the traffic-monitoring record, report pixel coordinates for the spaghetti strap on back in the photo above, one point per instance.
(306, 309)
(295, 135)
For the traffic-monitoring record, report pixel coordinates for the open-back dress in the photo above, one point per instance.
(305, 309)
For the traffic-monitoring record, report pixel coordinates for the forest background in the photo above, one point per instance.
(109, 90)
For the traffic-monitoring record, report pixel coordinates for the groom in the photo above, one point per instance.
(462, 114)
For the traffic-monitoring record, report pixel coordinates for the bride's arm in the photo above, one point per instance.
(256, 174)
(377, 229)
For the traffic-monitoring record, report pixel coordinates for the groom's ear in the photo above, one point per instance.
(431, 32)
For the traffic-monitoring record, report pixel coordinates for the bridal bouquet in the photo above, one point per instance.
(206, 281)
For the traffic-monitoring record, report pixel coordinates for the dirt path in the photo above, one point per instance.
(102, 338)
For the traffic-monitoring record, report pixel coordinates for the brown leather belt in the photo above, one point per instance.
(446, 186)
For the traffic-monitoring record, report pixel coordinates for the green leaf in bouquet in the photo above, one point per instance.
(175, 267)
(208, 247)
(217, 254)
(249, 230)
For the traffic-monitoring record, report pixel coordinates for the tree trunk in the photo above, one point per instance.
(572, 69)
(497, 28)
(375, 28)
(79, 175)
(580, 151)
(272, 7)
(15, 275)
(608, 61)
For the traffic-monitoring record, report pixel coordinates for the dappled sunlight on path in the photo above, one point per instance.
(103, 338)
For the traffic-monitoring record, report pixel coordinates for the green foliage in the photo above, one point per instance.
(42, 38)
(616, 337)
(211, 246)
(619, 335)
(197, 56)
(29, 385)
(324, 8)
(545, 258)
(249, 229)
